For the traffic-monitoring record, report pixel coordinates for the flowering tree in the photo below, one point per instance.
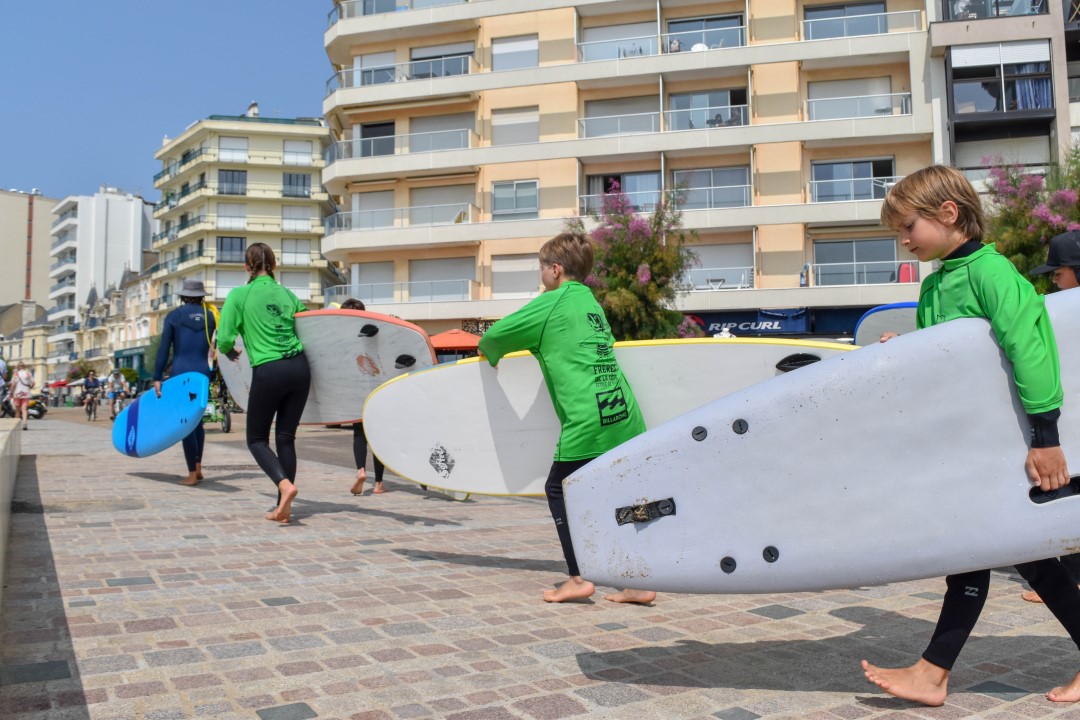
(1027, 210)
(640, 264)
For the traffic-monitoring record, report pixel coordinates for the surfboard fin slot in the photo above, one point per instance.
(1039, 497)
(796, 361)
(404, 361)
(369, 330)
(645, 512)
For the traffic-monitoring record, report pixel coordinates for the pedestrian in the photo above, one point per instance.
(261, 312)
(1063, 260)
(359, 441)
(566, 330)
(91, 395)
(3, 370)
(939, 216)
(118, 390)
(22, 385)
(187, 333)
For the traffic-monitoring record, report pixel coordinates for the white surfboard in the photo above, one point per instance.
(468, 427)
(896, 317)
(902, 460)
(350, 353)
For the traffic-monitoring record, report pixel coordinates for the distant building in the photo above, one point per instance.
(25, 218)
(230, 181)
(24, 331)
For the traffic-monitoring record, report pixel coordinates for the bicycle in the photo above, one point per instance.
(90, 401)
(218, 409)
(117, 405)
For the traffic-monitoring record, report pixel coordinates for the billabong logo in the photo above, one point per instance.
(131, 440)
(971, 591)
(612, 406)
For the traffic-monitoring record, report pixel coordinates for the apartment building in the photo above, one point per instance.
(95, 240)
(229, 181)
(466, 132)
(24, 236)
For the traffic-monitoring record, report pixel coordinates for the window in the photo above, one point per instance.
(231, 249)
(618, 41)
(715, 108)
(373, 282)
(854, 180)
(295, 252)
(227, 280)
(516, 200)
(373, 210)
(441, 132)
(231, 216)
(1005, 77)
(441, 205)
(441, 279)
(298, 282)
(847, 20)
(374, 69)
(295, 219)
(686, 34)
(973, 9)
(855, 262)
(513, 53)
(298, 152)
(441, 60)
(296, 185)
(621, 116)
(515, 276)
(713, 187)
(862, 97)
(642, 190)
(729, 266)
(376, 139)
(513, 126)
(233, 149)
(232, 182)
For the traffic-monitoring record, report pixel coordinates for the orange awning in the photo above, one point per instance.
(454, 340)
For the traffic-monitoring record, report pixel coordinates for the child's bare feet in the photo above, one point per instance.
(379, 489)
(1068, 693)
(1031, 596)
(632, 596)
(358, 486)
(191, 479)
(575, 588)
(923, 682)
(283, 511)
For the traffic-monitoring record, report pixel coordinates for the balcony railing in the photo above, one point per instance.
(61, 307)
(403, 292)
(615, 49)
(59, 263)
(172, 265)
(708, 117)
(61, 285)
(360, 8)
(402, 144)
(866, 273)
(822, 191)
(856, 25)
(174, 232)
(66, 237)
(420, 215)
(859, 106)
(640, 202)
(69, 215)
(619, 124)
(175, 166)
(717, 197)
(698, 40)
(403, 72)
(722, 278)
(977, 9)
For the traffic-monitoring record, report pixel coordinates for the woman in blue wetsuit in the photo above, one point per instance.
(187, 333)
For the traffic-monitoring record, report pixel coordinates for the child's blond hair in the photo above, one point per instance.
(923, 193)
(573, 251)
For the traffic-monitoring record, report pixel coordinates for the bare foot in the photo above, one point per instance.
(283, 512)
(198, 471)
(1068, 693)
(632, 596)
(923, 682)
(358, 486)
(575, 588)
(379, 489)
(191, 479)
(1031, 596)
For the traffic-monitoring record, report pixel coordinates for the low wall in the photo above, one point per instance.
(10, 448)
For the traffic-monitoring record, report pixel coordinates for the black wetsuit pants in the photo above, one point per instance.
(193, 446)
(359, 451)
(560, 470)
(279, 391)
(966, 595)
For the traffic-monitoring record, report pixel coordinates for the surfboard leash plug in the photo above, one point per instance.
(645, 512)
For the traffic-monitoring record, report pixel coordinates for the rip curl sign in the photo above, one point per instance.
(441, 461)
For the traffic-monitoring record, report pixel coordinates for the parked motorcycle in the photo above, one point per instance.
(36, 408)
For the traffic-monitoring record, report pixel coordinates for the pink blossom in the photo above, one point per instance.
(639, 226)
(1064, 198)
(1073, 226)
(644, 274)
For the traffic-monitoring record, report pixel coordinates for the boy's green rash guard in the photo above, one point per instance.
(985, 284)
(262, 311)
(565, 329)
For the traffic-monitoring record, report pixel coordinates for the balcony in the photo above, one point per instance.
(708, 117)
(175, 167)
(69, 215)
(404, 292)
(858, 25)
(619, 125)
(699, 40)
(640, 202)
(403, 72)
(979, 9)
(362, 8)
(173, 265)
(711, 198)
(180, 228)
(403, 144)
(860, 106)
(403, 217)
(617, 49)
(825, 191)
(63, 284)
(724, 278)
(164, 302)
(866, 273)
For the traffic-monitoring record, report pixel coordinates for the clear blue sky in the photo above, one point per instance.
(89, 87)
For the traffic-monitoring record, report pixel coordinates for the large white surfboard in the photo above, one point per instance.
(896, 317)
(468, 427)
(350, 353)
(899, 461)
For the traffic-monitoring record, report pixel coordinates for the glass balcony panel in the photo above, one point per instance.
(703, 198)
(615, 49)
(865, 273)
(978, 9)
(641, 202)
(620, 124)
(722, 278)
(849, 189)
(708, 117)
(696, 40)
(859, 106)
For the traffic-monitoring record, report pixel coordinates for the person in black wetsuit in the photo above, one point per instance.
(187, 333)
(359, 441)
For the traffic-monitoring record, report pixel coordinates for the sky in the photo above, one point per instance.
(88, 88)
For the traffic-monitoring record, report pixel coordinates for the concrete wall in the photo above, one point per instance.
(10, 448)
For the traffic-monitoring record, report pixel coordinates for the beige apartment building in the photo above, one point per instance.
(465, 133)
(229, 181)
(25, 218)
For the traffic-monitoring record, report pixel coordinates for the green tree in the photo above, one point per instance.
(640, 266)
(1027, 210)
(151, 351)
(79, 369)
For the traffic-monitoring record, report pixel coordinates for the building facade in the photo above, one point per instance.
(230, 181)
(96, 239)
(465, 133)
(25, 218)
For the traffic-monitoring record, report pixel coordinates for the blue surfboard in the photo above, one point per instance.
(897, 317)
(151, 424)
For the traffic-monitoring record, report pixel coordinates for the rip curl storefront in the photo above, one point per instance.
(821, 322)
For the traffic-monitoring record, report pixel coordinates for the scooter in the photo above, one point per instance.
(35, 408)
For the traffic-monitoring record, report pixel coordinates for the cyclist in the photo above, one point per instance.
(91, 393)
(118, 390)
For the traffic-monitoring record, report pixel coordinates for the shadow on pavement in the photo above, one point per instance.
(213, 484)
(500, 562)
(38, 672)
(307, 508)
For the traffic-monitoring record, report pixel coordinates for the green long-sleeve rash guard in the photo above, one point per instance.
(262, 312)
(985, 284)
(566, 331)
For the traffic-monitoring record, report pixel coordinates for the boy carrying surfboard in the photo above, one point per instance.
(939, 216)
(566, 330)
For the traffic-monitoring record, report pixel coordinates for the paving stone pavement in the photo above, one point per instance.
(130, 596)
